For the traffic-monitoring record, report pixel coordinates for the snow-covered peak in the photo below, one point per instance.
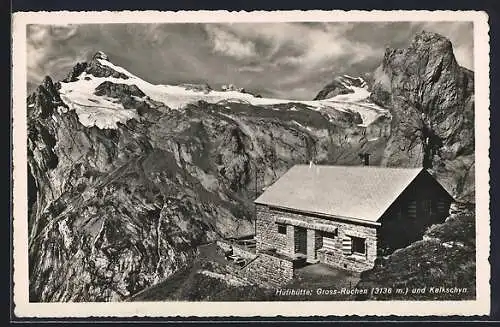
(107, 63)
(350, 81)
(100, 55)
(344, 85)
(104, 112)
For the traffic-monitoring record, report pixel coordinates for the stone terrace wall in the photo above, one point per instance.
(268, 270)
(237, 250)
(264, 269)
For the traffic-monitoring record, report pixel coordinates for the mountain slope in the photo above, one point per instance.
(127, 177)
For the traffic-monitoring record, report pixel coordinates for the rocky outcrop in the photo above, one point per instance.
(45, 98)
(116, 90)
(205, 88)
(76, 71)
(232, 87)
(431, 99)
(94, 67)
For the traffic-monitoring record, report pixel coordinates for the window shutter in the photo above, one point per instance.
(412, 209)
(441, 206)
(328, 243)
(347, 245)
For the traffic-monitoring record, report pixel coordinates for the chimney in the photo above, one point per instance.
(365, 158)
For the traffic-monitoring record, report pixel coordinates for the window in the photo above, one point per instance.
(358, 245)
(281, 229)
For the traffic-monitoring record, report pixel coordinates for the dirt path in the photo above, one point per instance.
(171, 288)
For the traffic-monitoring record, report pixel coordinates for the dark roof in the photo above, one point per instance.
(355, 192)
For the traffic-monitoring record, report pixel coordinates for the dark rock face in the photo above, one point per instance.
(131, 97)
(115, 90)
(99, 70)
(331, 90)
(233, 158)
(109, 213)
(205, 88)
(76, 71)
(45, 98)
(432, 102)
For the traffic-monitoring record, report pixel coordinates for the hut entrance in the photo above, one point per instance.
(300, 240)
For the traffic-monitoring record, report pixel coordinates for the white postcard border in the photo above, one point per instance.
(22, 306)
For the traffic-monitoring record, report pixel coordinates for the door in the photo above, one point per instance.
(300, 240)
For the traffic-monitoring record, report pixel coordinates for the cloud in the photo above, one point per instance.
(294, 54)
(251, 69)
(464, 56)
(325, 46)
(290, 60)
(286, 43)
(41, 40)
(229, 44)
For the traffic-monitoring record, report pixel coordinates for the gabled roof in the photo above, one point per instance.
(352, 192)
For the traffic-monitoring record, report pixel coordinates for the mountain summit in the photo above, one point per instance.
(100, 55)
(431, 99)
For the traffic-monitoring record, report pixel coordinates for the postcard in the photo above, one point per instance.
(280, 163)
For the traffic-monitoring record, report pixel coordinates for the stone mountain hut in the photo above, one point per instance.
(345, 216)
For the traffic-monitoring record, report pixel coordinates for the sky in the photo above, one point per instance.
(283, 60)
